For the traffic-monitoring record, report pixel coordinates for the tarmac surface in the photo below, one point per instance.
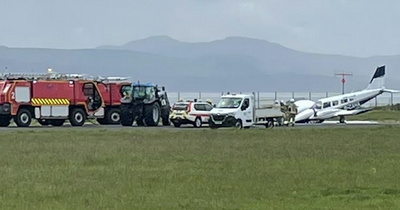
(324, 125)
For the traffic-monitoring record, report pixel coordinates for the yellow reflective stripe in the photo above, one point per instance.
(50, 101)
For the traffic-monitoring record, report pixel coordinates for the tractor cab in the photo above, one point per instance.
(144, 92)
(144, 103)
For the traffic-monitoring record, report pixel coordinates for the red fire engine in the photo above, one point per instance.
(111, 89)
(50, 98)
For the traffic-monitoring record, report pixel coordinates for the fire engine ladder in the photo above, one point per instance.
(61, 76)
(112, 79)
(44, 76)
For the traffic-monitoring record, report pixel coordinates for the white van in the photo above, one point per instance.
(239, 110)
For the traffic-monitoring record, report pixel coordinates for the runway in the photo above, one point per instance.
(324, 125)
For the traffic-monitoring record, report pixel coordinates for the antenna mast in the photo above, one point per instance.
(343, 75)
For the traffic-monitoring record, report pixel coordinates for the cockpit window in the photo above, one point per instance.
(327, 104)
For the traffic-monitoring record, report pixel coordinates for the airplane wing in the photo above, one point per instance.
(351, 112)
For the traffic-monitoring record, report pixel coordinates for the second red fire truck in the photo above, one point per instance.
(111, 89)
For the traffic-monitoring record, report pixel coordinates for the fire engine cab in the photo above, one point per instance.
(49, 98)
(111, 89)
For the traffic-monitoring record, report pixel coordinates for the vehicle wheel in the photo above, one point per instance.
(342, 120)
(57, 122)
(113, 116)
(269, 124)
(152, 114)
(23, 118)
(165, 116)
(77, 117)
(139, 121)
(197, 123)
(126, 116)
(238, 124)
(4, 121)
(43, 122)
(212, 125)
(177, 125)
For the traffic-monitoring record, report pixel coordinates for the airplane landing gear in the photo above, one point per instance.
(342, 119)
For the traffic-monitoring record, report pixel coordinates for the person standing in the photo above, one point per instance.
(292, 112)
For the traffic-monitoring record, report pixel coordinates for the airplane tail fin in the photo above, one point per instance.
(378, 80)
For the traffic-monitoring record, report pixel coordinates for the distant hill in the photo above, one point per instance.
(230, 64)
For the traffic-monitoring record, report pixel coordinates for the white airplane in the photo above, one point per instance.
(342, 105)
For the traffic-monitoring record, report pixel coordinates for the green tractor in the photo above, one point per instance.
(145, 104)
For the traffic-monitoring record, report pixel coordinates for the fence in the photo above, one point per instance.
(381, 100)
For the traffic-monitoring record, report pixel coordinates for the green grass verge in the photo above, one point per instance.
(378, 115)
(389, 114)
(200, 169)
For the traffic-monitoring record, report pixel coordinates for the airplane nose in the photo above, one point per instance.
(306, 114)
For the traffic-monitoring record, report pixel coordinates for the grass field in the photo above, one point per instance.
(378, 115)
(200, 169)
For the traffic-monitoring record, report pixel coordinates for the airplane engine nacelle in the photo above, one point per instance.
(304, 115)
(303, 105)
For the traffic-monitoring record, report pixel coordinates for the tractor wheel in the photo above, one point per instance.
(177, 125)
(57, 122)
(77, 117)
(165, 116)
(126, 116)
(152, 114)
(23, 118)
(139, 121)
(4, 121)
(113, 116)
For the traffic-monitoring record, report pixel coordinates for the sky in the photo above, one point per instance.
(348, 27)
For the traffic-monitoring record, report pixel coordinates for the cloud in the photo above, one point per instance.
(357, 27)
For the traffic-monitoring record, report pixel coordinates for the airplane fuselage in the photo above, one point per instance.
(330, 107)
(342, 105)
